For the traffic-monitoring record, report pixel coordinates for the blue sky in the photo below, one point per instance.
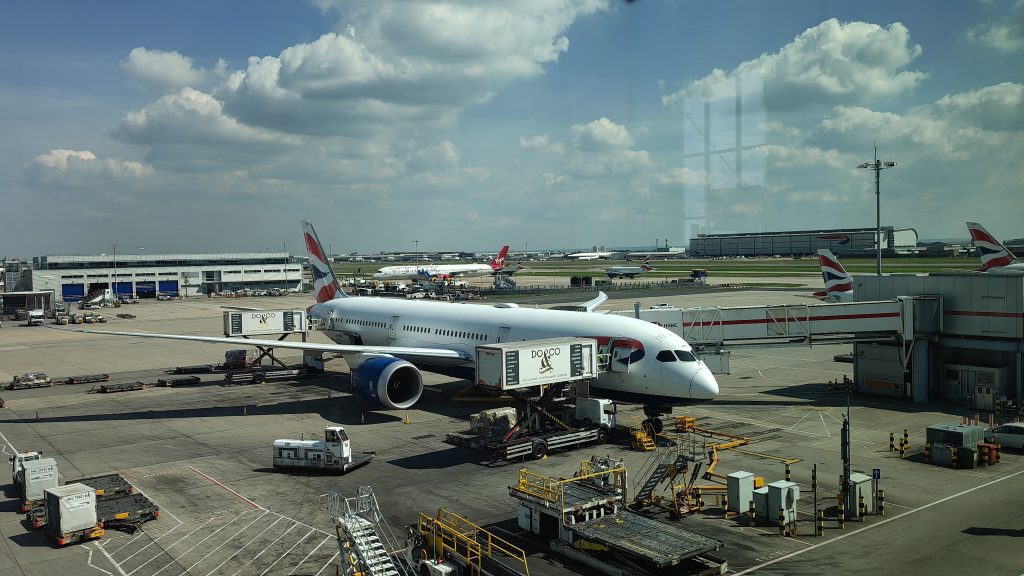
(198, 126)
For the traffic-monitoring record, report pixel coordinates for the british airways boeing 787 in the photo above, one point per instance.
(387, 342)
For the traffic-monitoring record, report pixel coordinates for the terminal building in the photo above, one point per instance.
(73, 278)
(851, 242)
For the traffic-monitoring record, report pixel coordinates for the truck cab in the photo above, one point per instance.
(596, 412)
(35, 318)
(17, 463)
(337, 444)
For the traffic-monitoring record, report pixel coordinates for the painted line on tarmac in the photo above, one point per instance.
(308, 555)
(287, 552)
(111, 560)
(254, 505)
(265, 548)
(167, 550)
(182, 555)
(88, 561)
(251, 540)
(876, 525)
(8, 442)
(224, 543)
(336, 554)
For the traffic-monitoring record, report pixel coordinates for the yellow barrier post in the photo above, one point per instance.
(782, 524)
(789, 475)
(820, 530)
(906, 437)
(861, 508)
(892, 442)
(983, 454)
(881, 502)
(725, 504)
(902, 446)
(927, 452)
(954, 459)
(751, 518)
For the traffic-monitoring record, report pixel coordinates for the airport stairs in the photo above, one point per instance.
(661, 466)
(96, 296)
(365, 542)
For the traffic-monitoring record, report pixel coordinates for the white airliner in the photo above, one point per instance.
(838, 283)
(386, 343)
(629, 271)
(995, 258)
(590, 255)
(442, 270)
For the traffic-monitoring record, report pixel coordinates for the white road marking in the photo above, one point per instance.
(115, 564)
(326, 565)
(88, 561)
(251, 540)
(825, 426)
(150, 544)
(287, 552)
(8, 442)
(882, 523)
(307, 556)
(167, 549)
(265, 548)
(223, 543)
(182, 555)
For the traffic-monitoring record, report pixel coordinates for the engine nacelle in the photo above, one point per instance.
(391, 382)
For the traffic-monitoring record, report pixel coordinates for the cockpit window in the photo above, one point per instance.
(685, 356)
(666, 356)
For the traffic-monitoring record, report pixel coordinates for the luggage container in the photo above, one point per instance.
(967, 457)
(36, 476)
(71, 514)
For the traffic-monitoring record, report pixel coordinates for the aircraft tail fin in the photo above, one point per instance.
(991, 251)
(499, 261)
(325, 283)
(647, 265)
(835, 276)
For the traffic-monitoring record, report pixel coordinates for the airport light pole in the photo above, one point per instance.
(416, 243)
(878, 165)
(113, 286)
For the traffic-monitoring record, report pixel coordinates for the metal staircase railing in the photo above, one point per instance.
(657, 468)
(365, 541)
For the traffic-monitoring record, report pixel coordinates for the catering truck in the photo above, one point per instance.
(528, 363)
(334, 452)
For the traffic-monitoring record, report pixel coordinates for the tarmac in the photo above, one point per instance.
(202, 453)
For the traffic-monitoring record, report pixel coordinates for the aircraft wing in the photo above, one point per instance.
(308, 346)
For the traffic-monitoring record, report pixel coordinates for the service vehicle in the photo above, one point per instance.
(334, 452)
(35, 317)
(1010, 435)
(16, 465)
(34, 478)
(71, 514)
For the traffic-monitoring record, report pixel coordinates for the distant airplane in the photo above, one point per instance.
(590, 255)
(443, 270)
(386, 342)
(838, 284)
(995, 258)
(629, 271)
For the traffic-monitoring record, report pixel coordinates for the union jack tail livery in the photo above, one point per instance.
(325, 284)
(499, 261)
(838, 284)
(994, 256)
(647, 264)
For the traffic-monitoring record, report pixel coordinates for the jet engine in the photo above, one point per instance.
(391, 382)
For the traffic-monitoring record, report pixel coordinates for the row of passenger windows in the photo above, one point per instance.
(443, 332)
(671, 355)
(366, 323)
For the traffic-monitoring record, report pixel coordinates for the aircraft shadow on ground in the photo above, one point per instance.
(446, 458)
(983, 531)
(816, 395)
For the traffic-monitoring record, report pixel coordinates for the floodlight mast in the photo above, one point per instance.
(878, 165)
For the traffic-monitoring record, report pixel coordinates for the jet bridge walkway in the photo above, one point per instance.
(717, 329)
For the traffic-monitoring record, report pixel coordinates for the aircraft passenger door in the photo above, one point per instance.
(503, 333)
(392, 330)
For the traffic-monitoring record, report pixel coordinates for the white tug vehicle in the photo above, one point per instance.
(333, 453)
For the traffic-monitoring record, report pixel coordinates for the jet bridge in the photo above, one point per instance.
(715, 330)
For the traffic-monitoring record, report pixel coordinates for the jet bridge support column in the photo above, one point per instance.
(921, 371)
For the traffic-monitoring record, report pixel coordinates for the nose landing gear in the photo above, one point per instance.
(653, 423)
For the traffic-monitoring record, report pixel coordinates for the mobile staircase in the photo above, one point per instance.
(661, 466)
(365, 542)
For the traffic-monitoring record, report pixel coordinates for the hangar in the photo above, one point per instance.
(73, 278)
(850, 241)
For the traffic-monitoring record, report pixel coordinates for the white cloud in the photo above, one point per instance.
(419, 64)
(166, 71)
(999, 107)
(601, 134)
(542, 143)
(77, 168)
(831, 63)
(682, 177)
(1006, 35)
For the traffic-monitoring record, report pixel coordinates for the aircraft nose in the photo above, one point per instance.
(703, 385)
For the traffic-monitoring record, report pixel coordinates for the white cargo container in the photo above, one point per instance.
(513, 365)
(37, 476)
(252, 322)
(71, 507)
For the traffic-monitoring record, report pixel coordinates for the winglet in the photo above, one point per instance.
(590, 305)
(991, 251)
(325, 284)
